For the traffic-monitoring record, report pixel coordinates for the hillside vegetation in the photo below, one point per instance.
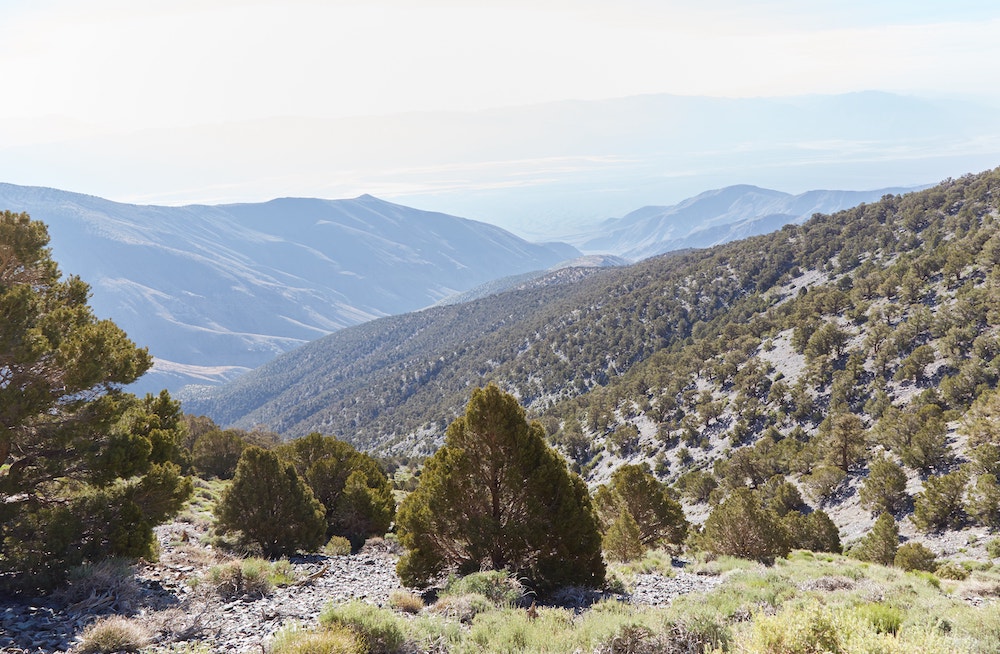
(883, 301)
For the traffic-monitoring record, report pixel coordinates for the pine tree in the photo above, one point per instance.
(742, 527)
(634, 490)
(881, 543)
(884, 489)
(622, 540)
(271, 506)
(355, 492)
(86, 470)
(495, 496)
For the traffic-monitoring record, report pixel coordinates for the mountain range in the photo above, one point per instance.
(540, 170)
(717, 216)
(217, 290)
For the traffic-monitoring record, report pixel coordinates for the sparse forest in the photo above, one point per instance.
(795, 415)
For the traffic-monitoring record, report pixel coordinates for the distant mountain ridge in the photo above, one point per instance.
(216, 290)
(718, 216)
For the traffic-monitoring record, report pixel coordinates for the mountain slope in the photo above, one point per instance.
(642, 345)
(718, 216)
(215, 290)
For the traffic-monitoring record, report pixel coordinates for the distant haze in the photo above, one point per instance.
(547, 171)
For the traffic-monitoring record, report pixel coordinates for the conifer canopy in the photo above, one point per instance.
(495, 496)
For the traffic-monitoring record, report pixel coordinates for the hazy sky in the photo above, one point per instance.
(123, 64)
(125, 99)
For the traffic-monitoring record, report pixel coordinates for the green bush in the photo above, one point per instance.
(814, 531)
(881, 543)
(349, 484)
(940, 505)
(951, 570)
(984, 501)
(495, 496)
(885, 619)
(247, 577)
(632, 489)
(337, 546)
(379, 629)
(823, 482)
(294, 639)
(742, 527)
(216, 453)
(884, 489)
(915, 556)
(993, 548)
(271, 506)
(781, 496)
(622, 540)
(497, 586)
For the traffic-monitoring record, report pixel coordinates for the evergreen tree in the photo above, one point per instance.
(622, 540)
(742, 527)
(356, 493)
(216, 453)
(495, 496)
(271, 506)
(940, 505)
(884, 489)
(634, 490)
(881, 543)
(86, 470)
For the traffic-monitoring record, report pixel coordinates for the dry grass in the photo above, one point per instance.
(114, 634)
(106, 586)
(406, 601)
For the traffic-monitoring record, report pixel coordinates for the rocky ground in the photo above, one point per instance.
(177, 611)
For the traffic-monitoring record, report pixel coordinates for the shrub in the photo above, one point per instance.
(993, 548)
(884, 489)
(114, 634)
(337, 546)
(622, 540)
(497, 586)
(940, 505)
(249, 577)
(270, 504)
(696, 485)
(379, 629)
(885, 619)
(915, 556)
(405, 601)
(781, 496)
(216, 453)
(814, 531)
(881, 543)
(951, 570)
(496, 496)
(353, 489)
(294, 639)
(462, 607)
(742, 527)
(632, 489)
(984, 501)
(110, 585)
(823, 482)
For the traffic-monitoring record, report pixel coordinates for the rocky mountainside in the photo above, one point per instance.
(216, 290)
(718, 216)
(658, 345)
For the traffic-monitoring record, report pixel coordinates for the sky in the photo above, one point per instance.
(119, 64)
(94, 69)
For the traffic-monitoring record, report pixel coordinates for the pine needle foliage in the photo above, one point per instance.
(495, 497)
